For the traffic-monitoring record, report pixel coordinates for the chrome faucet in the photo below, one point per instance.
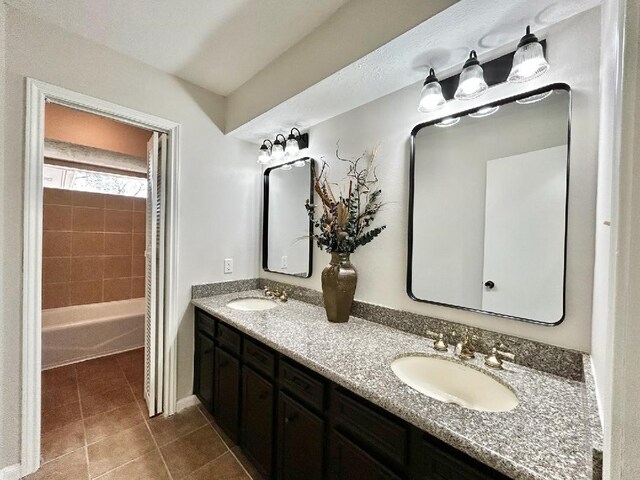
(465, 350)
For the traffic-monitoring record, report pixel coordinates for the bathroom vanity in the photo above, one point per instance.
(308, 399)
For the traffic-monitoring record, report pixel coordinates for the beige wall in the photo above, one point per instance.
(82, 128)
(93, 248)
(387, 122)
(218, 191)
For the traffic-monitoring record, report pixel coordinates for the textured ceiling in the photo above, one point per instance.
(492, 27)
(217, 44)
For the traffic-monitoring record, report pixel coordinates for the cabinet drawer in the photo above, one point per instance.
(229, 338)
(348, 461)
(205, 323)
(259, 357)
(303, 385)
(367, 425)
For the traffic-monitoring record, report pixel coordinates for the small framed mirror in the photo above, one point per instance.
(287, 244)
(488, 208)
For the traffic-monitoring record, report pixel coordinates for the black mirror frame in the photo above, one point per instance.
(415, 130)
(265, 218)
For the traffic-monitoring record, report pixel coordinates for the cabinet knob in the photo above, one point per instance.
(489, 284)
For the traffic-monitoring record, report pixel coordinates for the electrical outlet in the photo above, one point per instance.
(283, 262)
(228, 265)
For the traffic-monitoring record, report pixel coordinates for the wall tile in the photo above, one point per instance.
(117, 267)
(57, 218)
(118, 221)
(139, 243)
(83, 244)
(140, 204)
(87, 268)
(138, 266)
(58, 196)
(137, 287)
(87, 219)
(82, 293)
(56, 269)
(139, 222)
(117, 289)
(118, 202)
(117, 244)
(56, 244)
(88, 199)
(55, 295)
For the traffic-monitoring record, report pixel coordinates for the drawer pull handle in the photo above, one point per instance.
(301, 383)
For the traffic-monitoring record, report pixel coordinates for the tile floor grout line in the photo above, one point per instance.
(84, 430)
(146, 423)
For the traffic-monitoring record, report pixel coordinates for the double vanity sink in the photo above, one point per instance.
(524, 423)
(443, 379)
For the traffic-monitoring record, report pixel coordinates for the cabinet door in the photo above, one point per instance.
(300, 442)
(257, 419)
(227, 393)
(203, 378)
(349, 461)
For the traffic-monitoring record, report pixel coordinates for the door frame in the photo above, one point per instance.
(37, 95)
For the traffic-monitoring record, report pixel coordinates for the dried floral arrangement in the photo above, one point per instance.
(345, 223)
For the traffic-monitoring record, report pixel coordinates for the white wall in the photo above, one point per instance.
(388, 122)
(218, 181)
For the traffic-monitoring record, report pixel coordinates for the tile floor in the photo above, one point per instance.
(94, 426)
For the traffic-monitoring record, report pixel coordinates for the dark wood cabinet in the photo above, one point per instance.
(348, 461)
(227, 393)
(301, 442)
(294, 424)
(204, 366)
(257, 420)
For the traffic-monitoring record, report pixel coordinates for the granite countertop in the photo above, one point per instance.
(547, 436)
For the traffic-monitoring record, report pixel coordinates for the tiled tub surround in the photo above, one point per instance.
(540, 356)
(93, 248)
(547, 436)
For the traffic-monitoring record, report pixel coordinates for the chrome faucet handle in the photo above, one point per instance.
(495, 358)
(439, 343)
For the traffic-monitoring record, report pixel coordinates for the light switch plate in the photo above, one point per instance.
(283, 262)
(228, 265)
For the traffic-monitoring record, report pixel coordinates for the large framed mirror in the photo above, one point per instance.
(488, 208)
(287, 245)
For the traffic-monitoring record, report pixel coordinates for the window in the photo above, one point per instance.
(91, 181)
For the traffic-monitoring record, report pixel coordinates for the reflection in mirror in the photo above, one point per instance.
(286, 239)
(488, 209)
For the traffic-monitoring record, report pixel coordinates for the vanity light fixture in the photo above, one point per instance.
(448, 122)
(277, 151)
(431, 98)
(534, 98)
(528, 61)
(484, 111)
(472, 83)
(293, 147)
(264, 156)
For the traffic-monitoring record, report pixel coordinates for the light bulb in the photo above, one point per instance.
(472, 83)
(528, 61)
(431, 98)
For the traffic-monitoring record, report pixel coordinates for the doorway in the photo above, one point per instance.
(158, 252)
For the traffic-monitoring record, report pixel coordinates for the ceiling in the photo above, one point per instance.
(218, 45)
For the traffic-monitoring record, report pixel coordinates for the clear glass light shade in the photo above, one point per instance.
(528, 63)
(431, 98)
(264, 156)
(472, 83)
(277, 152)
(484, 112)
(448, 122)
(292, 149)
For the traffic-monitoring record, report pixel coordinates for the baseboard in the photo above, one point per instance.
(12, 472)
(187, 402)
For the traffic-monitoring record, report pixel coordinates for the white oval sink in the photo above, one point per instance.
(453, 382)
(252, 304)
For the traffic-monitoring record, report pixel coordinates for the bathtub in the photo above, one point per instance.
(73, 334)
